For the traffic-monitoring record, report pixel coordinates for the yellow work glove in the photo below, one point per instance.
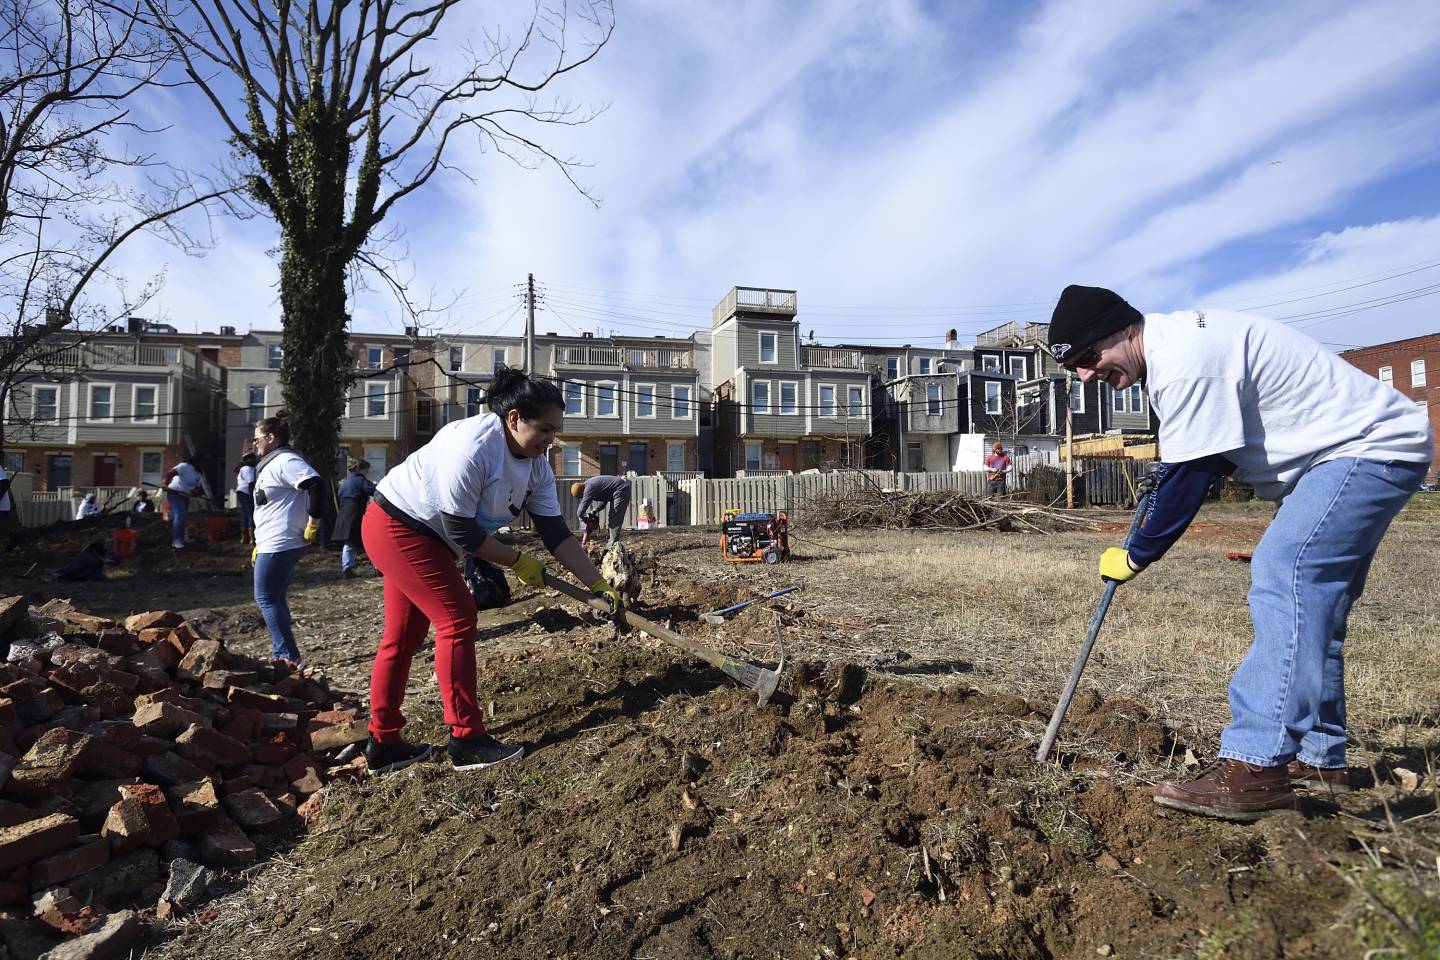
(1115, 565)
(608, 593)
(254, 554)
(312, 532)
(529, 571)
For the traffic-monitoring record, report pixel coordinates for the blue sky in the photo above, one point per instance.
(909, 167)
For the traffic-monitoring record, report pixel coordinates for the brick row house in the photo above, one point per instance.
(1411, 366)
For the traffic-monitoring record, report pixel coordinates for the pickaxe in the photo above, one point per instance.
(763, 682)
(718, 616)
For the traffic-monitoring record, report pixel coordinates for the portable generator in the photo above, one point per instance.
(754, 537)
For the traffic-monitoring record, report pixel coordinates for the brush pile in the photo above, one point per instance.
(869, 507)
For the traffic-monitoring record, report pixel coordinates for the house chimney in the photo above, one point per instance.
(227, 331)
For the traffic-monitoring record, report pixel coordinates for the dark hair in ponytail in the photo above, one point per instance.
(278, 425)
(513, 389)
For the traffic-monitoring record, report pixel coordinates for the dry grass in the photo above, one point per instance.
(1011, 611)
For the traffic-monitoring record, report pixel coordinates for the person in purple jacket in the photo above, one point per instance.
(595, 494)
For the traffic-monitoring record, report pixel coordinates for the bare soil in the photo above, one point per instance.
(886, 804)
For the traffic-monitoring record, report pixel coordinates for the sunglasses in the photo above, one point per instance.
(1086, 359)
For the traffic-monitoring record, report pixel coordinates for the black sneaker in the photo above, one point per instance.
(482, 751)
(386, 757)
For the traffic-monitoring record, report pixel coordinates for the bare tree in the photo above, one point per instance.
(71, 70)
(337, 118)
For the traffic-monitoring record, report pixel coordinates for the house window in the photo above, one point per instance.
(989, 362)
(375, 400)
(570, 461)
(892, 368)
(1135, 404)
(274, 353)
(1117, 399)
(457, 358)
(767, 348)
(605, 400)
(645, 400)
(788, 392)
(472, 401)
(1386, 375)
(992, 397)
(47, 405)
(856, 397)
(1017, 367)
(374, 355)
(827, 401)
(144, 411)
(1417, 373)
(752, 456)
(1077, 397)
(402, 357)
(847, 453)
(424, 416)
(101, 397)
(924, 366)
(680, 408)
(497, 357)
(914, 457)
(14, 462)
(574, 398)
(760, 396)
(932, 399)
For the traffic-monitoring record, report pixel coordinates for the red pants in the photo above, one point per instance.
(422, 586)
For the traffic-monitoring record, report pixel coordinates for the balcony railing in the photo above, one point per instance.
(1014, 332)
(587, 355)
(663, 358)
(755, 300)
(109, 355)
(831, 358)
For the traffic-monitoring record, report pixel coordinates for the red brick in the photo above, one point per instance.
(153, 619)
(39, 708)
(152, 635)
(337, 735)
(63, 912)
(304, 774)
(87, 622)
(93, 800)
(310, 809)
(171, 768)
(57, 756)
(118, 641)
(220, 679)
(354, 771)
(225, 845)
(110, 761)
(165, 719)
(253, 810)
(196, 806)
(237, 784)
(276, 722)
(244, 724)
(7, 711)
(244, 697)
(162, 822)
(278, 749)
(209, 749)
(150, 667)
(126, 827)
(12, 813)
(111, 937)
(29, 841)
(91, 852)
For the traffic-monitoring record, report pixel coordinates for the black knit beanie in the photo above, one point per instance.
(1085, 315)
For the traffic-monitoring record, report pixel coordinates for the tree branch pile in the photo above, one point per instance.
(869, 507)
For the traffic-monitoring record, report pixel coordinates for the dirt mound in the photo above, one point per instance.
(660, 813)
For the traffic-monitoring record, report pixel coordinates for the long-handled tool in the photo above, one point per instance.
(763, 682)
(1052, 731)
(718, 616)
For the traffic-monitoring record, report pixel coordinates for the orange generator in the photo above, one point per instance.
(754, 537)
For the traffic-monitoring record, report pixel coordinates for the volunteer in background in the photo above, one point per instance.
(143, 503)
(595, 494)
(88, 507)
(443, 501)
(180, 482)
(355, 493)
(245, 496)
(1339, 451)
(998, 464)
(289, 501)
(7, 504)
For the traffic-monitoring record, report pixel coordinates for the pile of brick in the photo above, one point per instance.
(136, 753)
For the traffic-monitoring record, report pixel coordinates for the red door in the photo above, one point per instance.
(787, 456)
(104, 471)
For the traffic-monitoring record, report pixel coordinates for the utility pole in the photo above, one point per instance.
(1069, 442)
(530, 323)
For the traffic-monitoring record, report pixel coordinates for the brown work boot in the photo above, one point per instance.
(1231, 790)
(1329, 780)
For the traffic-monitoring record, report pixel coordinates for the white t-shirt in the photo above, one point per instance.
(280, 523)
(87, 508)
(1271, 399)
(467, 470)
(5, 504)
(186, 478)
(245, 479)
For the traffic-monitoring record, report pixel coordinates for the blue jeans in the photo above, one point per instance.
(246, 503)
(273, 573)
(1287, 699)
(347, 557)
(179, 506)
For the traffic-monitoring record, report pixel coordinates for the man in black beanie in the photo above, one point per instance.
(1339, 452)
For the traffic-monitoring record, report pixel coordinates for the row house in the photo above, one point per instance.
(631, 403)
(781, 404)
(917, 408)
(113, 410)
(1407, 365)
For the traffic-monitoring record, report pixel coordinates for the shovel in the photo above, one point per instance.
(1052, 731)
(763, 682)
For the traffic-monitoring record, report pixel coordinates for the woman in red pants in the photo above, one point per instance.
(442, 502)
